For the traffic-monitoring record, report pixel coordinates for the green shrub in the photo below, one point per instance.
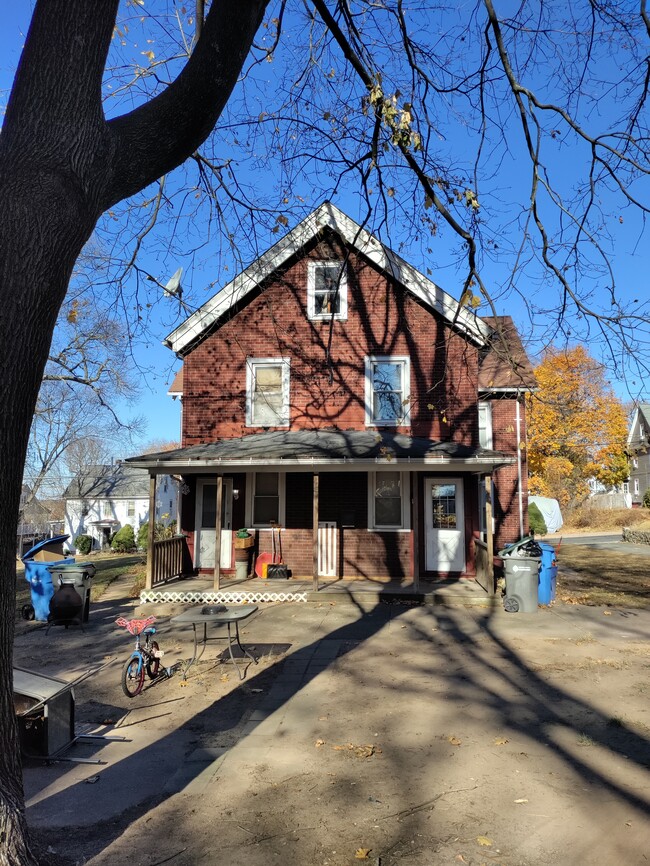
(646, 498)
(143, 536)
(536, 522)
(124, 539)
(160, 532)
(83, 544)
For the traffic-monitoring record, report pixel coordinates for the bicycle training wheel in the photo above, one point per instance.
(153, 662)
(132, 678)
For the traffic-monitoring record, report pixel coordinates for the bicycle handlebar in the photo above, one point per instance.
(135, 626)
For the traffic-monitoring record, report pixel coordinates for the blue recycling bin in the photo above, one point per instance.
(38, 576)
(547, 574)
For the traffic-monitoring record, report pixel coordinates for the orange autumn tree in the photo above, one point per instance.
(577, 427)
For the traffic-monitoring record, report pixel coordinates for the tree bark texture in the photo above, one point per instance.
(61, 165)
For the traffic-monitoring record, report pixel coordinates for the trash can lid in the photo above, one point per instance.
(43, 545)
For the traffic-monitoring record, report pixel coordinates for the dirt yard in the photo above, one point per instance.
(402, 736)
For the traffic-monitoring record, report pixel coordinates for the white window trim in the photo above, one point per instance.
(486, 407)
(405, 361)
(250, 500)
(342, 314)
(251, 366)
(636, 486)
(405, 485)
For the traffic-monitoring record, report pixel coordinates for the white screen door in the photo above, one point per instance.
(444, 515)
(206, 516)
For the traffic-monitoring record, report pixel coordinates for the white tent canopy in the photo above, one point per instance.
(550, 510)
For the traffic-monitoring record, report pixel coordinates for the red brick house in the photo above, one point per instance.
(336, 391)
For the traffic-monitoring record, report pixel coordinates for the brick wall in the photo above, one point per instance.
(382, 319)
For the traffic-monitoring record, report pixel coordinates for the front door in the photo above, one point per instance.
(206, 518)
(444, 515)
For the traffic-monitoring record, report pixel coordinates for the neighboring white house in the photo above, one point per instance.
(106, 498)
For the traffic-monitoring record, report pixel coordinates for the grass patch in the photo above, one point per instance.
(587, 518)
(602, 577)
(109, 566)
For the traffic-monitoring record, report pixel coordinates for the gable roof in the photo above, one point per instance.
(505, 365)
(109, 482)
(329, 216)
(640, 424)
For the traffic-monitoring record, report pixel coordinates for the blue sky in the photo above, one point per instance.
(209, 266)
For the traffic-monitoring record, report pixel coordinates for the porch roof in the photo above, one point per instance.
(323, 450)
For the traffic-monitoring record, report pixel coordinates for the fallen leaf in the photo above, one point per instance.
(500, 741)
(322, 718)
(607, 613)
(319, 743)
(91, 780)
(460, 858)
(454, 741)
(484, 841)
(362, 853)
(520, 801)
(224, 678)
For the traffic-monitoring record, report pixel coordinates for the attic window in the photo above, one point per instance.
(327, 291)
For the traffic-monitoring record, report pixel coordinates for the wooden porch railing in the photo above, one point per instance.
(484, 567)
(167, 558)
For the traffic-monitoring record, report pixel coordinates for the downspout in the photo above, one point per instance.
(521, 492)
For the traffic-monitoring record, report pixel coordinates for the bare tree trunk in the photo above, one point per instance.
(61, 165)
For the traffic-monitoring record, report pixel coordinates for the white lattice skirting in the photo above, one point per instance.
(166, 596)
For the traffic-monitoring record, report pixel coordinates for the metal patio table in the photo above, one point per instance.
(216, 615)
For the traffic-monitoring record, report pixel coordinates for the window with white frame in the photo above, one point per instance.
(388, 500)
(485, 424)
(130, 508)
(107, 508)
(626, 487)
(636, 486)
(268, 498)
(327, 290)
(635, 462)
(267, 392)
(388, 383)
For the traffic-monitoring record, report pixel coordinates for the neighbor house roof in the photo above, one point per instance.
(109, 482)
(640, 424)
(326, 216)
(324, 449)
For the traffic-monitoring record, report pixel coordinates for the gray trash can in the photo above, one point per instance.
(522, 581)
(78, 574)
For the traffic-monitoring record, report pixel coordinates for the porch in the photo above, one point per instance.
(200, 590)
(166, 583)
(354, 512)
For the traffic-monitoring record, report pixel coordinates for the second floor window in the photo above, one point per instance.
(107, 510)
(485, 425)
(327, 291)
(387, 390)
(267, 402)
(130, 508)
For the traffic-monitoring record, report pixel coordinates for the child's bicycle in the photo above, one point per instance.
(145, 657)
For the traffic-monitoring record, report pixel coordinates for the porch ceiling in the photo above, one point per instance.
(323, 450)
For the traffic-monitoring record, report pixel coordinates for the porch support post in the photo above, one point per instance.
(217, 536)
(148, 584)
(315, 533)
(415, 527)
(489, 536)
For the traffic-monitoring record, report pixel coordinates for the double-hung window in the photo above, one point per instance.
(387, 391)
(388, 500)
(268, 498)
(327, 291)
(267, 388)
(485, 424)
